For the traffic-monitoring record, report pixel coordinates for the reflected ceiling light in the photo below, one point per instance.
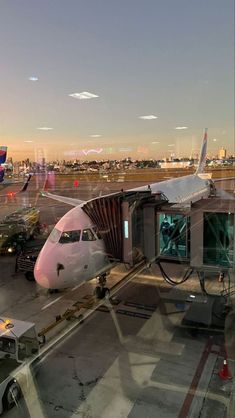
(214, 139)
(180, 128)
(28, 141)
(33, 78)
(83, 95)
(148, 117)
(171, 145)
(44, 128)
(95, 136)
(155, 142)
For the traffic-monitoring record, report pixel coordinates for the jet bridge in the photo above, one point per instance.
(122, 222)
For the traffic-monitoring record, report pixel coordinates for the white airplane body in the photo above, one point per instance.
(74, 252)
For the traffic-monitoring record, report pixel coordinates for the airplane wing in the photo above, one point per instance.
(22, 190)
(69, 200)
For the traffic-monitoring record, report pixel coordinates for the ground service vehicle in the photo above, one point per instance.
(17, 228)
(18, 342)
(26, 260)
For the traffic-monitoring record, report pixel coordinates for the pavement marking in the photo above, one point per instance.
(51, 303)
(196, 378)
(75, 287)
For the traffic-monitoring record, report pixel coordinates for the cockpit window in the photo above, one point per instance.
(69, 236)
(88, 235)
(55, 235)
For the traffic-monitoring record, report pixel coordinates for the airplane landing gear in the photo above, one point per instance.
(101, 291)
(52, 291)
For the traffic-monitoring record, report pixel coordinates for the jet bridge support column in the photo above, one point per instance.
(127, 233)
(149, 232)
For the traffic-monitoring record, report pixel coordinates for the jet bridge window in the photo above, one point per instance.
(88, 235)
(173, 237)
(218, 239)
(69, 236)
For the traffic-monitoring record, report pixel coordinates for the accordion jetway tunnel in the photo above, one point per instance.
(121, 221)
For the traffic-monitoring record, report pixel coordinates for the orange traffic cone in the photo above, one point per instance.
(224, 373)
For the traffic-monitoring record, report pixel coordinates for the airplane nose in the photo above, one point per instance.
(42, 278)
(48, 272)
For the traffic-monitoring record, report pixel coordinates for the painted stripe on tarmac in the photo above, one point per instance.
(51, 303)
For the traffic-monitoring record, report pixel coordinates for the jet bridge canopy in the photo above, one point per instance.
(118, 218)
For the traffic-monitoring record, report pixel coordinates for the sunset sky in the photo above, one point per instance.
(153, 75)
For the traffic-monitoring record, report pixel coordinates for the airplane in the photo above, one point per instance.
(10, 194)
(74, 252)
(3, 156)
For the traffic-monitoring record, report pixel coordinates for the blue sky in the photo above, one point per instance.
(170, 58)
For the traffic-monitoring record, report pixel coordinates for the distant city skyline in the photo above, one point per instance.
(221, 153)
(99, 80)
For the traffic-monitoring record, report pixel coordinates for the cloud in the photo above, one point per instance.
(83, 95)
(44, 128)
(148, 117)
(180, 128)
(33, 78)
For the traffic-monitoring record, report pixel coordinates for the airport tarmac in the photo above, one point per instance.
(133, 360)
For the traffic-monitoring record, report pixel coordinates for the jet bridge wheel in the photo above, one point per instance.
(11, 395)
(101, 291)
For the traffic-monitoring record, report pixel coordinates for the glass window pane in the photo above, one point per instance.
(218, 233)
(69, 236)
(54, 235)
(173, 235)
(88, 235)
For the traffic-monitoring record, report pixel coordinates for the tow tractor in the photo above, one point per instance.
(18, 343)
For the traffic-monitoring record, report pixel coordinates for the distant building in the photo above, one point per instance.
(222, 154)
(175, 164)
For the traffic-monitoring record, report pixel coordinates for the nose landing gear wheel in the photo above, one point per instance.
(101, 292)
(52, 291)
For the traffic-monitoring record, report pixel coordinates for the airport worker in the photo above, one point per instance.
(174, 234)
(165, 225)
